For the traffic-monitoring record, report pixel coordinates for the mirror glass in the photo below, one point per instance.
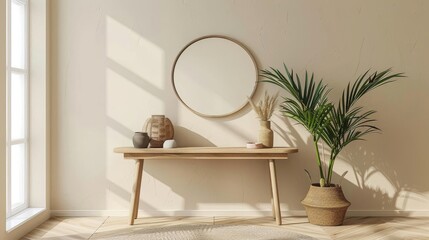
(213, 76)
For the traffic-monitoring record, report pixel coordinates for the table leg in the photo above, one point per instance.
(135, 194)
(272, 198)
(275, 191)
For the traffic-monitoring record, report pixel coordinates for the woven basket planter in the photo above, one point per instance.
(325, 206)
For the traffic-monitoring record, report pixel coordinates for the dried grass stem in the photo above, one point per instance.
(265, 107)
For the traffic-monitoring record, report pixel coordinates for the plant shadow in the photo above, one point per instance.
(362, 184)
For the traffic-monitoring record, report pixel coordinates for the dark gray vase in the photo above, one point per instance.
(141, 140)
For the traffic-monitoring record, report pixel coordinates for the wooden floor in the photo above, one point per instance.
(394, 228)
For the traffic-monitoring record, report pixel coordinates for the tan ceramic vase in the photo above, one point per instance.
(325, 206)
(266, 134)
(159, 129)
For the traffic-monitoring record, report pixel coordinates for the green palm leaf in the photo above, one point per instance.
(338, 125)
(308, 102)
(349, 123)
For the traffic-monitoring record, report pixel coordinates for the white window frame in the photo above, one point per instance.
(9, 143)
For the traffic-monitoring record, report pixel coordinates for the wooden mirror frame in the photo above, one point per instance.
(229, 39)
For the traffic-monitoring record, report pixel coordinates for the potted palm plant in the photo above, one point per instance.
(337, 125)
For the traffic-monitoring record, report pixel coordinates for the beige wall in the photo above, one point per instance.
(111, 63)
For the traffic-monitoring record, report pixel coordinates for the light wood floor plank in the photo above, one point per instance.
(293, 224)
(384, 228)
(118, 226)
(67, 228)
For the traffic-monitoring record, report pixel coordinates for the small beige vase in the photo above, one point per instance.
(325, 206)
(266, 134)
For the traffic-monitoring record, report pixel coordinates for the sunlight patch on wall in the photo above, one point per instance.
(288, 130)
(411, 199)
(375, 179)
(134, 52)
(126, 102)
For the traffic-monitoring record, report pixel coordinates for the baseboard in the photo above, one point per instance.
(388, 213)
(205, 213)
(208, 213)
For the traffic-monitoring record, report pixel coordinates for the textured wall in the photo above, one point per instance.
(111, 63)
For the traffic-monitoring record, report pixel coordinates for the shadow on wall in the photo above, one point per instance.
(364, 168)
(187, 138)
(392, 192)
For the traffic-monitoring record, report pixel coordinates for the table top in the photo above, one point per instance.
(206, 153)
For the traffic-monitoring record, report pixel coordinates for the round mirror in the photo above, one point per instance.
(213, 76)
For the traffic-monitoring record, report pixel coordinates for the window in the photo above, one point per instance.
(17, 106)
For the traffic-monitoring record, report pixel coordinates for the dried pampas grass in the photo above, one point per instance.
(265, 107)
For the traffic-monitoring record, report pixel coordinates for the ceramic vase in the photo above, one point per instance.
(266, 134)
(141, 140)
(159, 129)
(170, 143)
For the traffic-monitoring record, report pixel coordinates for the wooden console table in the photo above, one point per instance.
(141, 154)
